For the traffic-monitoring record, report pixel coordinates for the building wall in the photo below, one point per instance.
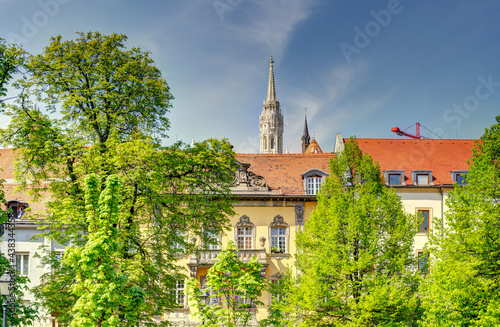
(432, 199)
(26, 245)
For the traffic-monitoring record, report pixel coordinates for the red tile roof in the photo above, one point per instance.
(439, 156)
(282, 172)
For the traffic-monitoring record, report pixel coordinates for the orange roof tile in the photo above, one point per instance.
(282, 172)
(439, 156)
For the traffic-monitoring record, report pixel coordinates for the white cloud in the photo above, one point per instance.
(271, 23)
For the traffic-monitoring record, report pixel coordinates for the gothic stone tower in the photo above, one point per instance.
(271, 119)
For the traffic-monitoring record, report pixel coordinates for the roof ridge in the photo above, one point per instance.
(286, 154)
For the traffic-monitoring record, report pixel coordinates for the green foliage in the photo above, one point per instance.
(231, 282)
(463, 288)
(11, 59)
(103, 113)
(104, 292)
(355, 260)
(276, 311)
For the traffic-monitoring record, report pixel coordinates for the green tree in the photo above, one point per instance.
(101, 110)
(105, 296)
(235, 288)
(11, 59)
(355, 260)
(463, 288)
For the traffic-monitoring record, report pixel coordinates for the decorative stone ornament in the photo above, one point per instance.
(244, 222)
(299, 215)
(262, 241)
(278, 221)
(245, 180)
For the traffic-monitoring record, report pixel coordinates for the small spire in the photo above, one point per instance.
(306, 139)
(271, 91)
(305, 135)
(192, 143)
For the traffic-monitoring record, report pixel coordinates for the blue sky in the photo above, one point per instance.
(360, 67)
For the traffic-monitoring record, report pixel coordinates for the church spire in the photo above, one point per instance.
(271, 91)
(271, 120)
(306, 139)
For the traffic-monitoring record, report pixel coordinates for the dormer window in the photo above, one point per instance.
(422, 177)
(17, 208)
(459, 176)
(394, 177)
(312, 180)
(313, 183)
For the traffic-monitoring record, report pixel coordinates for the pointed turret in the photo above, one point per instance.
(271, 120)
(306, 139)
(313, 147)
(271, 91)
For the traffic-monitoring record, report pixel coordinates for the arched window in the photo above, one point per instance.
(272, 143)
(279, 235)
(264, 142)
(244, 233)
(17, 208)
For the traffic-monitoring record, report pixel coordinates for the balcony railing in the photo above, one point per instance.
(209, 257)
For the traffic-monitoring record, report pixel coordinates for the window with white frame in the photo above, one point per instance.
(58, 256)
(213, 300)
(211, 240)
(245, 238)
(244, 233)
(243, 302)
(422, 177)
(278, 234)
(22, 264)
(312, 180)
(459, 176)
(278, 240)
(276, 288)
(179, 293)
(179, 242)
(313, 184)
(394, 177)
